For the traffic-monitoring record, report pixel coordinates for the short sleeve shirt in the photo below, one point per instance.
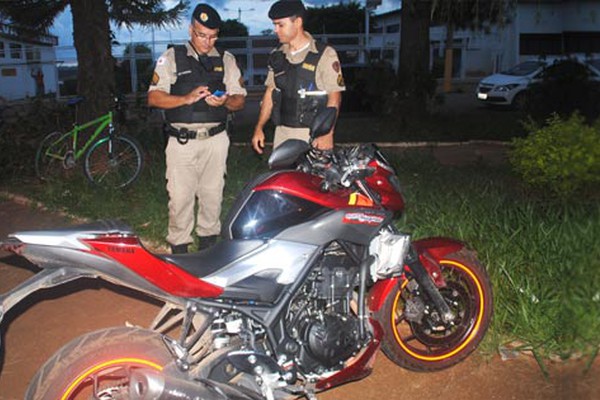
(328, 75)
(165, 75)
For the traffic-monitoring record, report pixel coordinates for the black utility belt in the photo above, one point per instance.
(184, 134)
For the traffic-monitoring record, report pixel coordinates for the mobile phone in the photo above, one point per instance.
(218, 93)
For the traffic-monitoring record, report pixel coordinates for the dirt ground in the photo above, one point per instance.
(39, 326)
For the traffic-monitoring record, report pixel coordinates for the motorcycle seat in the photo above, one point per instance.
(208, 261)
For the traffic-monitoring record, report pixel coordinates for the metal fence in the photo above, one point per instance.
(135, 60)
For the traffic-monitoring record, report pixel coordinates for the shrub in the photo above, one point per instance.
(562, 157)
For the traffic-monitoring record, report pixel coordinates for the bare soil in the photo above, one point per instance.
(39, 326)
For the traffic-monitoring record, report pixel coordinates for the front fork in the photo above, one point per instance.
(418, 270)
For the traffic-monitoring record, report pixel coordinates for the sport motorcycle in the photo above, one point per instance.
(310, 279)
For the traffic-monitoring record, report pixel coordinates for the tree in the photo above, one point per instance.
(92, 36)
(467, 14)
(414, 55)
(341, 18)
(232, 28)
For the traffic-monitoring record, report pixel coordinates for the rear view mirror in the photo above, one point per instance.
(285, 155)
(323, 122)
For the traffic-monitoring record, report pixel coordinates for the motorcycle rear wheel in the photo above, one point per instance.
(429, 345)
(98, 365)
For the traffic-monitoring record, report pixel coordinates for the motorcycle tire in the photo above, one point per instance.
(428, 345)
(103, 358)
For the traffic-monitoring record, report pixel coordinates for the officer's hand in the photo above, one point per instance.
(216, 101)
(196, 95)
(324, 142)
(258, 141)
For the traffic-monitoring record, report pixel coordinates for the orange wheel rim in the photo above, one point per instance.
(139, 362)
(471, 335)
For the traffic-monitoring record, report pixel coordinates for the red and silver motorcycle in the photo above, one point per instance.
(311, 278)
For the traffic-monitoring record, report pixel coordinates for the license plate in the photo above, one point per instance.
(482, 96)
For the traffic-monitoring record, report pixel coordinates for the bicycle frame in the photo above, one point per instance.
(102, 121)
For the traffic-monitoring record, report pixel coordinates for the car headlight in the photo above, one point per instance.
(507, 88)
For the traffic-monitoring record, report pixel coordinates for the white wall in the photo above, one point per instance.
(15, 73)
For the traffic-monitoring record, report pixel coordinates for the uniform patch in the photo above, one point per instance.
(336, 66)
(309, 67)
(340, 80)
(218, 69)
(161, 61)
(155, 79)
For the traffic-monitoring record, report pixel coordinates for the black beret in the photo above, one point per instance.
(207, 16)
(287, 8)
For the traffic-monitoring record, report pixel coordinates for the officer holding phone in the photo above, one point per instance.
(197, 85)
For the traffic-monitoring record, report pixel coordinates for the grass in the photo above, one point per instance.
(542, 256)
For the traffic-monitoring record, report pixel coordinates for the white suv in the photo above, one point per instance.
(508, 88)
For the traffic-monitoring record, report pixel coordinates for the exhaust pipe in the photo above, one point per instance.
(146, 384)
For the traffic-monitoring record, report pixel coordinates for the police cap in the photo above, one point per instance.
(287, 8)
(207, 16)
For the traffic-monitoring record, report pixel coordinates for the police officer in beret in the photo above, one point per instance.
(304, 77)
(197, 85)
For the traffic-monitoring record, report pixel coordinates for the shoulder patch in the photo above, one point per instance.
(336, 66)
(161, 60)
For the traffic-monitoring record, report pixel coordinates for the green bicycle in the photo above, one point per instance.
(112, 160)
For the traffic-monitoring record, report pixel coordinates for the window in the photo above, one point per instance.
(582, 42)
(392, 28)
(33, 53)
(15, 50)
(540, 44)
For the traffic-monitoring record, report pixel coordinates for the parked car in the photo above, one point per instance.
(564, 87)
(508, 88)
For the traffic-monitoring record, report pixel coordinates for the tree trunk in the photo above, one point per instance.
(95, 72)
(449, 57)
(414, 54)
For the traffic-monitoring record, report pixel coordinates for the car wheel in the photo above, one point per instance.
(520, 101)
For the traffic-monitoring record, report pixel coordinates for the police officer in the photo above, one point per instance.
(304, 77)
(197, 85)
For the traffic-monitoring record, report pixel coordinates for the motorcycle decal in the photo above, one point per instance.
(358, 199)
(362, 218)
(107, 365)
(162, 274)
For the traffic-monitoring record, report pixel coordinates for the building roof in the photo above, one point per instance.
(27, 35)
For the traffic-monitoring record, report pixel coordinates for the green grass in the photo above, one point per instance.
(542, 256)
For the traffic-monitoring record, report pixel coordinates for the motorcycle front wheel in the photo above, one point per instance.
(98, 365)
(425, 343)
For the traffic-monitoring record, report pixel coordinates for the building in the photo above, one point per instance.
(27, 63)
(538, 28)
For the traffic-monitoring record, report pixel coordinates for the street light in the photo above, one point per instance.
(239, 11)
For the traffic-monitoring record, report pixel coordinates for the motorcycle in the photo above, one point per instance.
(310, 279)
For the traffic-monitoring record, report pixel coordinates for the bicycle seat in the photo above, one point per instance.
(75, 100)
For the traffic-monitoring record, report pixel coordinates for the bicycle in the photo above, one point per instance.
(112, 161)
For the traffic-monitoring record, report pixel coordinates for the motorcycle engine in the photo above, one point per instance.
(320, 319)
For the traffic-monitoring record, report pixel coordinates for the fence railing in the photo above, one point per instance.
(135, 60)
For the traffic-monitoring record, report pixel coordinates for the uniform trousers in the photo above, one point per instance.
(195, 170)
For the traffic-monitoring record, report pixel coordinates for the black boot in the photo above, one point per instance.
(204, 242)
(179, 248)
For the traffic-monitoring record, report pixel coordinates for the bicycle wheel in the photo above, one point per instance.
(113, 162)
(53, 157)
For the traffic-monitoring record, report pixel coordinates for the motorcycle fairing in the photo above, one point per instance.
(430, 251)
(305, 186)
(334, 225)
